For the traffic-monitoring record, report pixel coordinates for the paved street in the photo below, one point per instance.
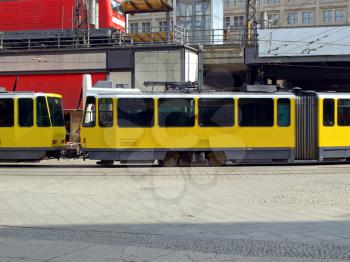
(76, 211)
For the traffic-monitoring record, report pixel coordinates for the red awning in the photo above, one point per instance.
(67, 85)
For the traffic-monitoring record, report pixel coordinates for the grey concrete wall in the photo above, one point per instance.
(52, 62)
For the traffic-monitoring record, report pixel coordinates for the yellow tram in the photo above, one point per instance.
(31, 126)
(176, 128)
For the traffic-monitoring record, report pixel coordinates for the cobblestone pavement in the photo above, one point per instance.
(76, 211)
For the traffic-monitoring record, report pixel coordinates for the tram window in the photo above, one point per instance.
(256, 112)
(135, 112)
(344, 112)
(216, 112)
(328, 112)
(25, 112)
(283, 112)
(176, 112)
(42, 114)
(56, 112)
(6, 112)
(90, 112)
(105, 112)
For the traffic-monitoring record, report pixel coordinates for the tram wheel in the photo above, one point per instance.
(171, 159)
(216, 158)
(186, 159)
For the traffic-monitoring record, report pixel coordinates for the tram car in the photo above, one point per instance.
(31, 126)
(32, 15)
(250, 127)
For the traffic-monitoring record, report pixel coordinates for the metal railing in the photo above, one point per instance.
(229, 36)
(160, 34)
(58, 39)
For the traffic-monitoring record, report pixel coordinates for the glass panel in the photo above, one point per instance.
(117, 7)
(25, 112)
(90, 112)
(283, 112)
(56, 112)
(42, 113)
(256, 112)
(176, 112)
(6, 112)
(135, 112)
(328, 112)
(105, 112)
(344, 112)
(216, 112)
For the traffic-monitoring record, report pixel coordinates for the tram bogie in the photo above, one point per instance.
(31, 126)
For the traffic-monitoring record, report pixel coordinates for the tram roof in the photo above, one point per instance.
(217, 94)
(197, 94)
(26, 94)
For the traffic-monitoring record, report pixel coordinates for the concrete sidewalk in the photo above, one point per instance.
(64, 211)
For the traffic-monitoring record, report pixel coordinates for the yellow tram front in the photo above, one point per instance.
(31, 126)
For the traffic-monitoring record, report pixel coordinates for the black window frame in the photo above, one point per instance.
(190, 119)
(106, 124)
(11, 116)
(38, 122)
(26, 112)
(246, 102)
(149, 114)
(278, 112)
(323, 112)
(56, 111)
(215, 102)
(90, 124)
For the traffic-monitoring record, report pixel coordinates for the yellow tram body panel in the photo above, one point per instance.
(195, 137)
(16, 138)
(334, 135)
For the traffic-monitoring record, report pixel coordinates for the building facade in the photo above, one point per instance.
(279, 13)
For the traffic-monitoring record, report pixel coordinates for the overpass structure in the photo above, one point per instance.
(312, 58)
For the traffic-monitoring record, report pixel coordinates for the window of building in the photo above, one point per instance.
(238, 21)
(344, 112)
(227, 22)
(146, 27)
(292, 18)
(216, 112)
(339, 15)
(176, 112)
(90, 112)
(308, 18)
(105, 112)
(42, 113)
(331, 16)
(162, 26)
(273, 19)
(6, 112)
(25, 112)
(272, 2)
(328, 16)
(328, 112)
(255, 112)
(134, 27)
(283, 112)
(56, 111)
(135, 112)
(233, 3)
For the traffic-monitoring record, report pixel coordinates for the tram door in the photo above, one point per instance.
(306, 126)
